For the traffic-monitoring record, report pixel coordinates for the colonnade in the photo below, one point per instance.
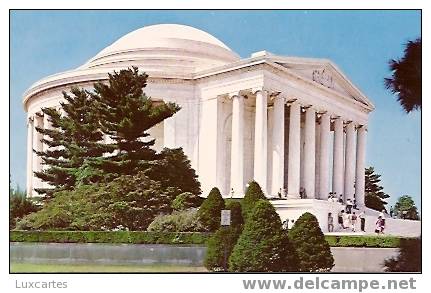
(348, 152)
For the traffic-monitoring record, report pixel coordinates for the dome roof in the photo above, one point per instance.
(160, 35)
(184, 44)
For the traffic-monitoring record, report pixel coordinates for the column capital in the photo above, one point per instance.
(362, 126)
(290, 101)
(235, 94)
(336, 117)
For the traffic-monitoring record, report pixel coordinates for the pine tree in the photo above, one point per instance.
(126, 114)
(72, 139)
(374, 194)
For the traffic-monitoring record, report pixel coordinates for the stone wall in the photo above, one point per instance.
(346, 259)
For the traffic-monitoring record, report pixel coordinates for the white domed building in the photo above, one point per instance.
(295, 125)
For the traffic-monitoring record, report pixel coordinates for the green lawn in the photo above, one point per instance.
(96, 268)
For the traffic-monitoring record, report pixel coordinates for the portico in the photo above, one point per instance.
(339, 146)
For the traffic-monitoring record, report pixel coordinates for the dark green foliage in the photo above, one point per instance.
(173, 169)
(19, 206)
(125, 115)
(263, 245)
(312, 250)
(252, 196)
(135, 237)
(405, 208)
(72, 139)
(210, 210)
(374, 195)
(406, 79)
(409, 258)
(186, 200)
(178, 221)
(128, 202)
(236, 218)
(220, 246)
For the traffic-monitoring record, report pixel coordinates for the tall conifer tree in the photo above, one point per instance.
(72, 139)
(126, 114)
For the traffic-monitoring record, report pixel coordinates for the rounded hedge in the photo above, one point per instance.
(252, 195)
(209, 212)
(263, 245)
(312, 250)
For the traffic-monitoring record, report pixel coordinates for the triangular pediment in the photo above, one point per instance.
(324, 73)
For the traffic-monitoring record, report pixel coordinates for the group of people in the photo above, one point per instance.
(347, 220)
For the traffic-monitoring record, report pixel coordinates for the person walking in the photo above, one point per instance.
(340, 220)
(330, 223)
(362, 219)
(346, 220)
(378, 229)
(349, 206)
(382, 221)
(353, 220)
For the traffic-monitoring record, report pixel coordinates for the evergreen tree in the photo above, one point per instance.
(173, 169)
(221, 244)
(406, 78)
(210, 211)
(252, 195)
(374, 194)
(409, 258)
(312, 250)
(263, 245)
(126, 114)
(72, 139)
(405, 208)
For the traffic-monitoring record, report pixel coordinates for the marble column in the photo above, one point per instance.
(293, 175)
(260, 140)
(30, 129)
(325, 129)
(360, 166)
(338, 161)
(349, 175)
(310, 152)
(237, 153)
(278, 146)
(37, 146)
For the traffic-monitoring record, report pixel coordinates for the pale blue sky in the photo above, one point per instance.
(359, 42)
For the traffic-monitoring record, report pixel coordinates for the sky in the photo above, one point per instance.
(359, 42)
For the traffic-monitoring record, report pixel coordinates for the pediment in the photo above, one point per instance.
(324, 73)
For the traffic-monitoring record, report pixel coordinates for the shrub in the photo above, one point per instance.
(220, 246)
(19, 206)
(186, 200)
(311, 248)
(209, 212)
(252, 195)
(129, 201)
(409, 258)
(224, 239)
(178, 221)
(263, 245)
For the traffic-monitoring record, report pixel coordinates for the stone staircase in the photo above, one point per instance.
(293, 208)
